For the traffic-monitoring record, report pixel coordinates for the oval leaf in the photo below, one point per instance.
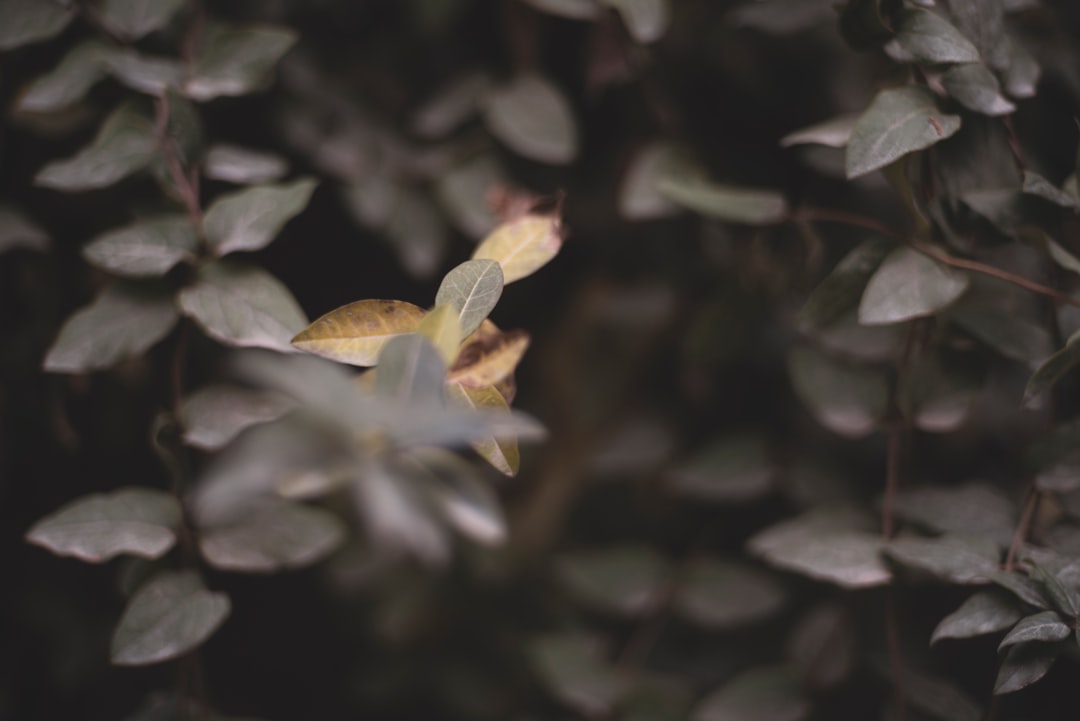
(533, 118)
(146, 248)
(571, 669)
(976, 88)
(473, 289)
(243, 306)
(215, 415)
(1023, 665)
(121, 323)
(68, 82)
(233, 164)
(277, 535)
(235, 61)
(135, 521)
(985, 612)
(167, 617)
(909, 285)
(933, 39)
(718, 594)
(845, 398)
(899, 121)
(522, 246)
(356, 333)
(952, 558)
(843, 287)
(1045, 626)
(627, 581)
(251, 218)
(728, 470)
(132, 19)
(410, 369)
(23, 22)
(1053, 369)
(125, 144)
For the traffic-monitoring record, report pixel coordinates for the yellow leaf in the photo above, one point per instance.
(487, 361)
(442, 327)
(355, 333)
(501, 453)
(523, 245)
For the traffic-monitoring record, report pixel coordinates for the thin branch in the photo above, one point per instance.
(1023, 526)
(822, 215)
(185, 183)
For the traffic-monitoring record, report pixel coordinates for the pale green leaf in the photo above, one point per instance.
(250, 219)
(899, 121)
(522, 246)
(624, 580)
(18, 231)
(122, 322)
(1023, 665)
(639, 194)
(931, 38)
(976, 88)
(214, 415)
(473, 289)
(135, 521)
(79, 70)
(502, 453)
(958, 559)
(167, 617)
(391, 500)
(728, 203)
(729, 469)
(646, 20)
(355, 333)
(410, 369)
(908, 285)
(234, 164)
(1063, 595)
(845, 398)
(834, 132)
(125, 144)
(148, 247)
(1022, 76)
(823, 646)
(132, 19)
(150, 74)
(571, 669)
(843, 287)
(236, 61)
(1044, 626)
(23, 22)
(533, 118)
(1053, 369)
(1035, 184)
(1013, 336)
(465, 193)
(243, 306)
(984, 612)
(759, 694)
(720, 594)
(275, 535)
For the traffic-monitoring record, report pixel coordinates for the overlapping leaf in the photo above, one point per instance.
(909, 285)
(899, 121)
(473, 289)
(235, 61)
(522, 246)
(214, 415)
(355, 333)
(250, 219)
(125, 144)
(275, 535)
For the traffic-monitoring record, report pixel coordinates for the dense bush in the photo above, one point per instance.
(799, 319)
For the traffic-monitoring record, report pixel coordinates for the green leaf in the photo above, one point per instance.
(1006, 332)
(719, 594)
(501, 453)
(843, 287)
(132, 19)
(646, 20)
(214, 415)
(571, 669)
(731, 469)
(410, 369)
(970, 509)
(522, 246)
(167, 617)
(845, 398)
(135, 521)
(639, 194)
(234, 164)
(148, 247)
(834, 132)
(250, 219)
(122, 322)
(768, 693)
(909, 285)
(899, 121)
(533, 118)
(473, 288)
(623, 580)
(1022, 75)
(355, 333)
(938, 696)
(243, 306)
(23, 22)
(731, 204)
(976, 88)
(1053, 369)
(465, 193)
(828, 545)
(1023, 665)
(984, 612)
(276, 535)
(1044, 626)
(1064, 597)
(933, 39)
(958, 559)
(467, 503)
(150, 74)
(936, 399)
(68, 82)
(398, 515)
(657, 698)
(237, 61)
(1035, 184)
(125, 144)
(18, 231)
(1022, 587)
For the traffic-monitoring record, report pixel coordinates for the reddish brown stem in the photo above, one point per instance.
(1022, 528)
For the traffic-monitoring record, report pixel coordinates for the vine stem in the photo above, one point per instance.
(1022, 527)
